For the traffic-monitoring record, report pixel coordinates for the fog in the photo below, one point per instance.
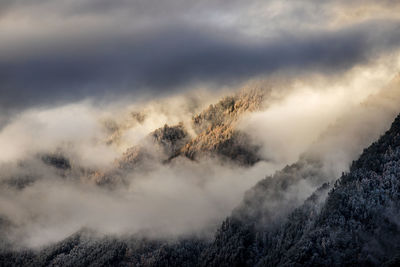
(317, 116)
(318, 130)
(326, 105)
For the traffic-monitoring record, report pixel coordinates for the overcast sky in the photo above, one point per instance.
(66, 50)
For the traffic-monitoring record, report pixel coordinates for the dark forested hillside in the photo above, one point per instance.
(353, 221)
(358, 223)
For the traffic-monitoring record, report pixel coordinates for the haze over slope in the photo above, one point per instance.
(133, 129)
(147, 210)
(75, 177)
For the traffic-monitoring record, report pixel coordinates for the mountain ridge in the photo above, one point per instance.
(340, 223)
(353, 218)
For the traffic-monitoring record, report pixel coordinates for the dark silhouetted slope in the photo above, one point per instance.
(358, 223)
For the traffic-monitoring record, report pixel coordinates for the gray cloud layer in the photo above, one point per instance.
(146, 47)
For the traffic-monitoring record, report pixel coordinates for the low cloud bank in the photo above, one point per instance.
(320, 117)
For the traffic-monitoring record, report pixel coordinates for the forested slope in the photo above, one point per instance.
(353, 221)
(358, 223)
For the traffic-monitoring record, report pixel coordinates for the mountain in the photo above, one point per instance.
(82, 249)
(354, 220)
(212, 133)
(159, 146)
(216, 128)
(358, 223)
(216, 135)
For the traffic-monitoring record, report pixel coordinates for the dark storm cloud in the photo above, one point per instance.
(138, 8)
(175, 56)
(95, 48)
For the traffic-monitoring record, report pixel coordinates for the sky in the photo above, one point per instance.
(67, 50)
(69, 68)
